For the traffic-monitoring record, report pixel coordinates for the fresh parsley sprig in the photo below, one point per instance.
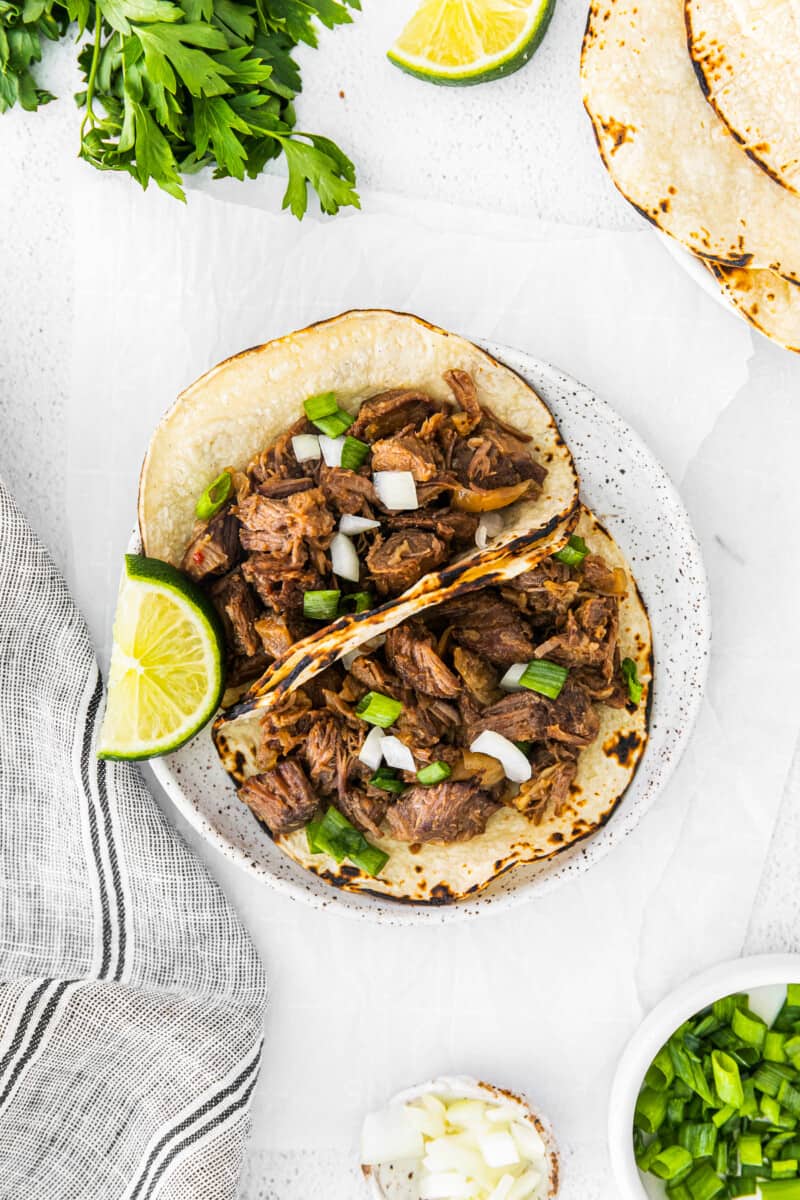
(171, 87)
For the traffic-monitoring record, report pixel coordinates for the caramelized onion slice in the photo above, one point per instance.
(486, 500)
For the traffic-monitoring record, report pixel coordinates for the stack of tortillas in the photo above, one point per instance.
(696, 110)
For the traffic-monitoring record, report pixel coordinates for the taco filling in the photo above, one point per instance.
(342, 512)
(484, 702)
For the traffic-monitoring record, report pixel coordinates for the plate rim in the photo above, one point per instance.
(383, 910)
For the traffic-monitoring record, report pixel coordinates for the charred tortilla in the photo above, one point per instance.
(599, 764)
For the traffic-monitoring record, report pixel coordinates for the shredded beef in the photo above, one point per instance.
(238, 609)
(465, 395)
(282, 797)
(214, 547)
(279, 489)
(403, 558)
(281, 584)
(366, 809)
(285, 526)
(589, 637)
(283, 728)
(491, 627)
(446, 812)
(547, 792)
(573, 719)
(348, 491)
(597, 575)
(321, 751)
(406, 452)
(389, 412)
(520, 717)
(276, 636)
(479, 676)
(450, 525)
(411, 653)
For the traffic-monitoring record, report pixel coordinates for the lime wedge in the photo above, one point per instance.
(470, 41)
(166, 679)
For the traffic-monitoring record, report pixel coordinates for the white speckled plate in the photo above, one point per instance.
(636, 501)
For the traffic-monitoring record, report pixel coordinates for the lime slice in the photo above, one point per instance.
(471, 41)
(165, 680)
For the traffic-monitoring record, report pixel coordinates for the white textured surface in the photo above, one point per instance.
(145, 294)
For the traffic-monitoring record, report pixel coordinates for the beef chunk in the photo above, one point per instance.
(411, 653)
(385, 414)
(397, 563)
(520, 717)
(281, 583)
(321, 750)
(278, 461)
(214, 547)
(276, 636)
(480, 677)
(466, 397)
(348, 491)
(598, 576)
(589, 637)
(448, 524)
(282, 798)
(372, 675)
(447, 812)
(491, 627)
(426, 723)
(284, 728)
(279, 489)
(285, 526)
(547, 791)
(238, 609)
(406, 452)
(546, 591)
(573, 718)
(365, 809)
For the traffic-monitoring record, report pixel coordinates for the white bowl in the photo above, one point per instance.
(739, 975)
(388, 1183)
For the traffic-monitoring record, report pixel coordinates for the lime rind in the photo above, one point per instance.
(201, 672)
(485, 69)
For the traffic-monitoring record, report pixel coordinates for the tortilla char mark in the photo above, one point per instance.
(623, 747)
(619, 132)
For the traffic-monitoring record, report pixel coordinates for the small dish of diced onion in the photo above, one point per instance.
(457, 1139)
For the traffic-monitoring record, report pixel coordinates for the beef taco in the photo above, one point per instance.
(332, 471)
(495, 727)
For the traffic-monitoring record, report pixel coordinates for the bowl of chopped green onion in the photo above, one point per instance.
(705, 1103)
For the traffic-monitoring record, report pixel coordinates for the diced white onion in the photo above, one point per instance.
(344, 558)
(331, 449)
(503, 1189)
(489, 526)
(397, 754)
(514, 763)
(498, 1149)
(427, 1122)
(444, 1186)
(306, 447)
(510, 681)
(527, 1186)
(370, 753)
(350, 524)
(396, 489)
(529, 1141)
(388, 1135)
(468, 1114)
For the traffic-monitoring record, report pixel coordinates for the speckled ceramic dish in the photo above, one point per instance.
(633, 497)
(399, 1183)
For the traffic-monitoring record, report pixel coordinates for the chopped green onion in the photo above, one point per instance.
(769, 1077)
(721, 1158)
(631, 677)
(678, 1191)
(378, 709)
(775, 1046)
(750, 1028)
(727, 1079)
(704, 1183)
(335, 425)
(672, 1163)
(386, 778)
(780, 1189)
(524, 746)
(789, 1098)
(650, 1111)
(661, 1072)
(323, 405)
(750, 1152)
(359, 601)
(690, 1071)
(793, 995)
(333, 834)
(435, 772)
(741, 1186)
(546, 678)
(573, 553)
(214, 496)
(785, 1168)
(722, 1116)
(699, 1138)
(646, 1155)
(322, 605)
(354, 453)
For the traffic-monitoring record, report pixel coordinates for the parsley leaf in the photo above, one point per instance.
(172, 86)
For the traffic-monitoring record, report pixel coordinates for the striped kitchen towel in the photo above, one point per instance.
(131, 998)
